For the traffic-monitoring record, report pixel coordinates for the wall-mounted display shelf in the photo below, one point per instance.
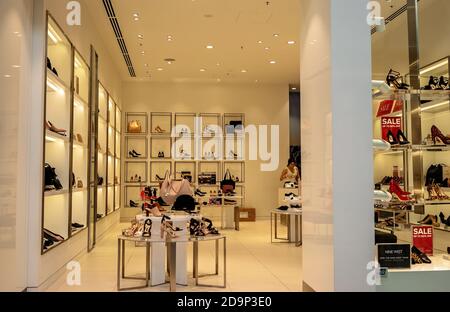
(136, 123)
(185, 124)
(161, 148)
(136, 172)
(161, 123)
(136, 147)
(158, 170)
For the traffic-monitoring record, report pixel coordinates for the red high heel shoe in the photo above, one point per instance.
(437, 134)
(396, 190)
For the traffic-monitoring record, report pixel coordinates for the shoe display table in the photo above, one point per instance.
(158, 251)
(149, 244)
(173, 259)
(294, 225)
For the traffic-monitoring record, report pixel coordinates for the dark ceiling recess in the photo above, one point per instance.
(393, 16)
(118, 32)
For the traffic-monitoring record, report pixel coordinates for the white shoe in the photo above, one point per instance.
(382, 196)
(381, 145)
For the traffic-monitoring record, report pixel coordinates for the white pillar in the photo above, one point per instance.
(336, 121)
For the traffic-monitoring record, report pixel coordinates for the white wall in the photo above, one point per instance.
(262, 105)
(336, 116)
(16, 18)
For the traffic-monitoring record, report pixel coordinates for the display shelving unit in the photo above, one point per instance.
(414, 160)
(184, 152)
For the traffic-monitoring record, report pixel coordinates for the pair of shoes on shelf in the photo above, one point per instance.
(436, 83)
(435, 193)
(198, 192)
(283, 208)
(133, 204)
(430, 220)
(399, 139)
(136, 178)
(134, 154)
(159, 130)
(56, 238)
(418, 257)
(398, 193)
(161, 155)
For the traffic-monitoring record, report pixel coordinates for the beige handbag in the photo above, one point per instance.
(134, 126)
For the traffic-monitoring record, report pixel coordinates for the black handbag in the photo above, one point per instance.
(435, 174)
(227, 185)
(184, 203)
(51, 178)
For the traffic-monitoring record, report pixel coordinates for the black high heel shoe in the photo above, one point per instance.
(394, 79)
(133, 155)
(136, 153)
(391, 138)
(133, 204)
(159, 178)
(433, 83)
(147, 228)
(443, 84)
(419, 257)
(401, 138)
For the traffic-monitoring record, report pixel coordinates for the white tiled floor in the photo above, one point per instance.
(253, 264)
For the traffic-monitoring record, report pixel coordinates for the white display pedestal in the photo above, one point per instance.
(282, 202)
(158, 250)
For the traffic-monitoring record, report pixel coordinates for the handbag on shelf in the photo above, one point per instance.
(134, 126)
(227, 185)
(435, 174)
(172, 189)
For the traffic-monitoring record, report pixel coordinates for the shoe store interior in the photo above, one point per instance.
(225, 146)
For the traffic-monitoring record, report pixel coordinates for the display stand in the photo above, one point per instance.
(158, 250)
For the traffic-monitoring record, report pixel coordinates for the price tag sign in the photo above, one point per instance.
(394, 256)
(422, 237)
(390, 124)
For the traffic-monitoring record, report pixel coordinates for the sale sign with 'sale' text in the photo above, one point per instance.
(422, 237)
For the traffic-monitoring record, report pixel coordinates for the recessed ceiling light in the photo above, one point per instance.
(276, 35)
(169, 38)
(146, 65)
(160, 69)
(202, 70)
(273, 62)
(243, 71)
(142, 52)
(141, 36)
(7, 76)
(136, 16)
(218, 64)
(294, 88)
(219, 80)
(291, 42)
(16, 66)
(260, 41)
(210, 46)
(267, 48)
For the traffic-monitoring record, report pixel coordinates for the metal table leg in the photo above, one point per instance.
(121, 267)
(197, 275)
(173, 266)
(195, 261)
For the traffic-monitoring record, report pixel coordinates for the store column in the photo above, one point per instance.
(336, 122)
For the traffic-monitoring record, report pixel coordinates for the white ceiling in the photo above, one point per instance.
(234, 30)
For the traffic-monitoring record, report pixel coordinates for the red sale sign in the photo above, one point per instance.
(392, 124)
(385, 108)
(398, 106)
(422, 238)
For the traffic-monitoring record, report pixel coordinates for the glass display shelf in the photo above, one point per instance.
(54, 137)
(55, 84)
(56, 193)
(441, 228)
(75, 190)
